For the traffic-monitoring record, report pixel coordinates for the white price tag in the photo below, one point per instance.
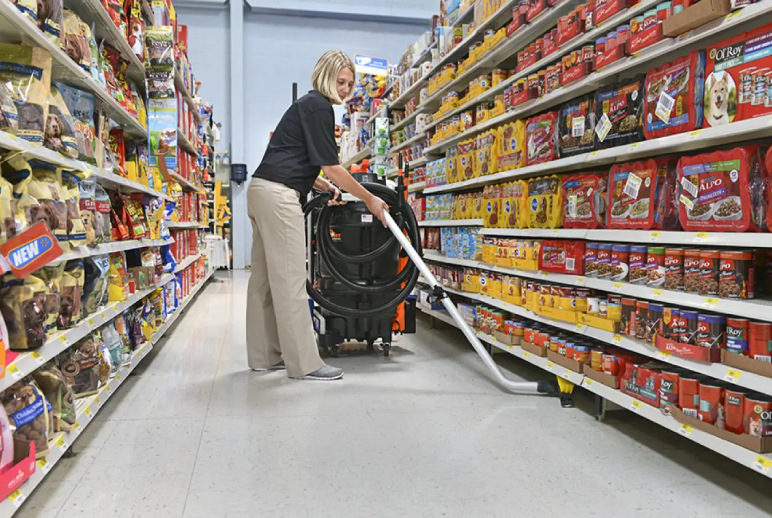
(664, 107)
(685, 430)
(636, 406)
(603, 127)
(577, 127)
(633, 185)
(689, 187)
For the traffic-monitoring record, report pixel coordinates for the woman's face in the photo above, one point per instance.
(345, 82)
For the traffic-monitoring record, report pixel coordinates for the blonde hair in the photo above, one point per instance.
(325, 76)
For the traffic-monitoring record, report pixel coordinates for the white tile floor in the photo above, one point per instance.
(423, 434)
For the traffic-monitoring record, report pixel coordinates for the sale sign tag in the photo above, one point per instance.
(30, 250)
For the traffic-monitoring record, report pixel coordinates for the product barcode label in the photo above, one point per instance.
(655, 236)
(570, 263)
(633, 185)
(617, 286)
(588, 382)
(61, 443)
(685, 430)
(87, 411)
(664, 355)
(550, 365)
(657, 292)
(762, 464)
(602, 128)
(577, 127)
(572, 205)
(64, 340)
(711, 302)
(664, 107)
(689, 187)
(701, 237)
(617, 339)
(686, 201)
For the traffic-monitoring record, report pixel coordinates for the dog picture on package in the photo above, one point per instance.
(720, 99)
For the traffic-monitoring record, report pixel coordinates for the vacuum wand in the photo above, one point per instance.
(520, 387)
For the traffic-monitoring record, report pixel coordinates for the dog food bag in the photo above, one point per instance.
(487, 158)
(159, 42)
(54, 386)
(584, 199)
(28, 8)
(117, 14)
(135, 32)
(49, 19)
(97, 281)
(118, 289)
(52, 277)
(46, 189)
(715, 193)
(619, 113)
(9, 115)
(76, 230)
(87, 209)
(544, 202)
(735, 71)
(576, 127)
(102, 221)
(81, 106)
(28, 412)
(541, 135)
(72, 293)
(674, 96)
(23, 306)
(60, 127)
(113, 344)
(28, 74)
(467, 159)
(759, 186)
(80, 366)
(511, 143)
(76, 40)
(7, 220)
(105, 361)
(631, 195)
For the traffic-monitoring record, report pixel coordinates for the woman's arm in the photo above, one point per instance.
(344, 180)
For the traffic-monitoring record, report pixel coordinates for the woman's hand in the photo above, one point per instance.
(377, 207)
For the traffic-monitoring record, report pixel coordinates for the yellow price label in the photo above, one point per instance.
(61, 443)
(655, 236)
(636, 406)
(633, 146)
(701, 236)
(526, 354)
(733, 376)
(91, 323)
(13, 369)
(63, 339)
(762, 464)
(588, 382)
(550, 365)
(38, 358)
(581, 279)
(511, 347)
(107, 387)
(96, 400)
(685, 430)
(733, 14)
(617, 286)
(44, 465)
(664, 355)
(118, 376)
(17, 498)
(75, 425)
(594, 154)
(617, 339)
(567, 374)
(657, 292)
(711, 302)
(694, 134)
(579, 328)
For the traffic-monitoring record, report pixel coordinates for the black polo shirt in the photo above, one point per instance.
(303, 141)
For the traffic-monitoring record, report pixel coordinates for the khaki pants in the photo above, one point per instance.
(278, 318)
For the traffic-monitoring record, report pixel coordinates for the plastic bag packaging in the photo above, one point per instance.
(81, 105)
(28, 411)
(87, 206)
(102, 217)
(60, 396)
(49, 19)
(169, 208)
(7, 219)
(118, 289)
(80, 366)
(46, 189)
(52, 277)
(135, 32)
(26, 209)
(60, 127)
(30, 89)
(72, 292)
(96, 285)
(544, 202)
(23, 306)
(159, 42)
(76, 40)
(9, 115)
(105, 362)
(114, 345)
(97, 65)
(584, 199)
(576, 127)
(76, 230)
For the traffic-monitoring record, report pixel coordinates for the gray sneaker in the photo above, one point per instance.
(278, 367)
(326, 373)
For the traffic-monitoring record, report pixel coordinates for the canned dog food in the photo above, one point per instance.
(604, 261)
(734, 409)
(620, 256)
(711, 331)
(674, 269)
(596, 359)
(627, 324)
(636, 24)
(668, 389)
(760, 342)
(692, 271)
(656, 316)
(737, 335)
(736, 275)
(591, 260)
(664, 11)
(709, 268)
(610, 364)
(600, 45)
(711, 399)
(691, 324)
(637, 264)
(758, 415)
(689, 394)
(649, 19)
(641, 318)
(655, 266)
(568, 350)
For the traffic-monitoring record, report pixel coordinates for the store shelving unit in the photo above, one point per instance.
(406, 144)
(418, 163)
(86, 408)
(186, 185)
(416, 187)
(184, 224)
(183, 89)
(451, 223)
(109, 248)
(186, 145)
(406, 121)
(187, 262)
(364, 154)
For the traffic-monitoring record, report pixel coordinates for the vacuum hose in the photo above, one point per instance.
(331, 255)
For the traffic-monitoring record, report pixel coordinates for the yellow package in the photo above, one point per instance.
(511, 146)
(544, 202)
(451, 165)
(76, 228)
(175, 191)
(492, 195)
(478, 205)
(514, 213)
(487, 153)
(466, 160)
(6, 210)
(44, 187)
(118, 289)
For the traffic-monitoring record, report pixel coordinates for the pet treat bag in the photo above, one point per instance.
(674, 95)
(544, 202)
(46, 189)
(576, 127)
(510, 139)
(715, 192)
(487, 159)
(28, 411)
(23, 305)
(541, 135)
(162, 122)
(7, 220)
(81, 106)
(9, 115)
(619, 113)
(76, 40)
(95, 290)
(160, 84)
(467, 159)
(76, 230)
(27, 72)
(631, 195)
(52, 278)
(54, 386)
(515, 204)
(159, 42)
(80, 366)
(135, 32)
(60, 127)
(118, 289)
(736, 73)
(72, 292)
(102, 217)
(105, 362)
(49, 19)
(87, 209)
(584, 199)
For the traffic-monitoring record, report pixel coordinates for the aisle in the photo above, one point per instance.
(423, 434)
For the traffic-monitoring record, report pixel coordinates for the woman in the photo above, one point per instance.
(279, 329)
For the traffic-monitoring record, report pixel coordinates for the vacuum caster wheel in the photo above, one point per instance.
(370, 346)
(386, 350)
(333, 351)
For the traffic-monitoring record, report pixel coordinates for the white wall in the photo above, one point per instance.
(409, 9)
